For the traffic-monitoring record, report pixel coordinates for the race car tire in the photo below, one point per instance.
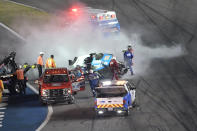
(126, 112)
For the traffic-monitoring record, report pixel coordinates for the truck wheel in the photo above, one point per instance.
(42, 102)
(97, 114)
(72, 100)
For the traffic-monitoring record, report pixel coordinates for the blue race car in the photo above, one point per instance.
(99, 63)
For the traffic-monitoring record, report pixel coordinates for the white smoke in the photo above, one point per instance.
(79, 38)
(143, 55)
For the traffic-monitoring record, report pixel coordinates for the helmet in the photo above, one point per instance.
(41, 53)
(114, 57)
(129, 46)
(78, 66)
(20, 66)
(91, 71)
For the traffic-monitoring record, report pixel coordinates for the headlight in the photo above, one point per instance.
(119, 111)
(69, 91)
(106, 83)
(45, 92)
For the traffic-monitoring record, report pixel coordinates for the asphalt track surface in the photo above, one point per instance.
(167, 93)
(23, 113)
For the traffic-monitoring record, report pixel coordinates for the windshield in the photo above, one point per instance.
(55, 78)
(111, 92)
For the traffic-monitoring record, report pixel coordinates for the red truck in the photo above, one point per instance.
(56, 85)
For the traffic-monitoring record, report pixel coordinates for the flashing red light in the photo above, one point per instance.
(100, 17)
(93, 16)
(113, 16)
(74, 10)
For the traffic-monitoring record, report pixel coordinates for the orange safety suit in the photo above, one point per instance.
(20, 74)
(50, 63)
(40, 61)
(1, 90)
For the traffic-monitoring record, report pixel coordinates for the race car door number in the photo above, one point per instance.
(110, 109)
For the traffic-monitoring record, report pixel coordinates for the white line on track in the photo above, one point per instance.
(25, 5)
(3, 104)
(50, 110)
(12, 31)
(32, 88)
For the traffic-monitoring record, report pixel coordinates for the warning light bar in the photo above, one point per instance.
(74, 10)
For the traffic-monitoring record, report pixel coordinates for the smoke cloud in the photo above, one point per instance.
(66, 40)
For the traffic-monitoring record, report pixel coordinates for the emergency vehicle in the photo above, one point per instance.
(104, 20)
(115, 96)
(55, 85)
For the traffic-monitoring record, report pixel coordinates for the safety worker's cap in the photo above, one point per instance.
(41, 53)
(78, 66)
(20, 66)
(129, 46)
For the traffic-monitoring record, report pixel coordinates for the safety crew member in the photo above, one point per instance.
(20, 78)
(1, 90)
(128, 58)
(114, 68)
(40, 63)
(93, 78)
(50, 63)
(89, 62)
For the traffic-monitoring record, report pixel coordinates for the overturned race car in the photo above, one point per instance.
(99, 63)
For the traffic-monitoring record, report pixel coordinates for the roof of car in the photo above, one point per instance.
(56, 71)
(114, 83)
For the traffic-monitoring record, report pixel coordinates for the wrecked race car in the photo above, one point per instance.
(100, 63)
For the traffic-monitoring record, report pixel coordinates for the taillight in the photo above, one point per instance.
(95, 102)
